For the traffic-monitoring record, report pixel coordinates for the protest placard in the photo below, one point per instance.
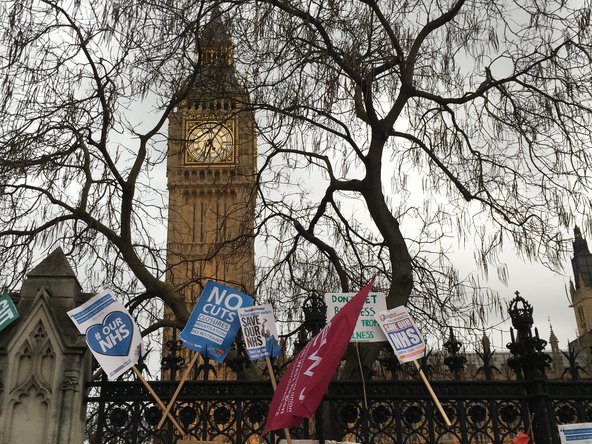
(367, 328)
(402, 333)
(580, 433)
(408, 344)
(8, 312)
(211, 328)
(114, 339)
(111, 333)
(214, 321)
(259, 331)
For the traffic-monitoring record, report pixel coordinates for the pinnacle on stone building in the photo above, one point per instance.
(581, 287)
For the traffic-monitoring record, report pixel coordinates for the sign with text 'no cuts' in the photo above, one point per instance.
(111, 333)
(402, 334)
(259, 331)
(214, 321)
(8, 312)
(367, 328)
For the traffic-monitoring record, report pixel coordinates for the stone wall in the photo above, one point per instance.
(44, 361)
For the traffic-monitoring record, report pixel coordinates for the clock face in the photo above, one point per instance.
(210, 143)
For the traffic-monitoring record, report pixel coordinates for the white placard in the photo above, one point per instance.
(259, 331)
(576, 433)
(111, 333)
(402, 334)
(367, 328)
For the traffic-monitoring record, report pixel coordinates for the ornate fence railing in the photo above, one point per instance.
(398, 410)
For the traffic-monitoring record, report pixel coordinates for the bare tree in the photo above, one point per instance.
(86, 92)
(385, 128)
(401, 124)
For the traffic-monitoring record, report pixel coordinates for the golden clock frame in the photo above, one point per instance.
(190, 161)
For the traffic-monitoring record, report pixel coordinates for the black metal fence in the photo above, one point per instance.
(398, 410)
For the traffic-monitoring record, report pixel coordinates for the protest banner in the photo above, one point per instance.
(575, 433)
(211, 328)
(367, 328)
(261, 339)
(402, 333)
(214, 322)
(259, 331)
(111, 333)
(8, 312)
(305, 382)
(113, 338)
(408, 344)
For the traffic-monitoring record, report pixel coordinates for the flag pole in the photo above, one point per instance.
(179, 387)
(158, 401)
(434, 397)
(274, 385)
(362, 375)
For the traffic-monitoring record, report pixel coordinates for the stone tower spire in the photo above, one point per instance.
(581, 286)
(556, 354)
(582, 261)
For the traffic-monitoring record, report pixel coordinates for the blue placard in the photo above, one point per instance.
(113, 337)
(214, 321)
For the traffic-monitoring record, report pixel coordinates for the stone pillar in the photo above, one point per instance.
(44, 361)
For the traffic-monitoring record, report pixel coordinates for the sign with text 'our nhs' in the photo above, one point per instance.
(402, 333)
(111, 333)
(214, 322)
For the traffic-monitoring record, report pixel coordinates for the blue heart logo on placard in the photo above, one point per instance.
(114, 336)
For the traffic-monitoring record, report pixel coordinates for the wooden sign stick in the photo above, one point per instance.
(179, 387)
(158, 401)
(434, 397)
(274, 385)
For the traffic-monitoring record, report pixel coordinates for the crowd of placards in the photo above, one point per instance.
(114, 339)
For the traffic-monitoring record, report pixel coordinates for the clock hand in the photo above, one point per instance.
(209, 147)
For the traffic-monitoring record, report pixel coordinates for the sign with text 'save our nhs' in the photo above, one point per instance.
(111, 333)
(214, 321)
(402, 334)
(259, 331)
(367, 329)
(8, 312)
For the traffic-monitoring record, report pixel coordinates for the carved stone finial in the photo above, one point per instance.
(70, 382)
(486, 343)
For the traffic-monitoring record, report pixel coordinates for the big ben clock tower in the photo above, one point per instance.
(211, 174)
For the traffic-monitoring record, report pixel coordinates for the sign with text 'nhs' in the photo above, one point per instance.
(111, 333)
(402, 334)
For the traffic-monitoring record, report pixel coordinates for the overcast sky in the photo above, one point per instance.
(546, 291)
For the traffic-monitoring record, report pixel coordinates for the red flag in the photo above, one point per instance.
(302, 387)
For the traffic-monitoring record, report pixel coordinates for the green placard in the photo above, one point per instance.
(8, 312)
